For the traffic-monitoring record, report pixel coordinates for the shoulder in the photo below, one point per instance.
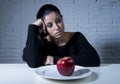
(74, 33)
(78, 35)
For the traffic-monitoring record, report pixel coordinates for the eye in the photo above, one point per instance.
(58, 21)
(49, 25)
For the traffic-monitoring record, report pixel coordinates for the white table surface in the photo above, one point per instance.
(22, 74)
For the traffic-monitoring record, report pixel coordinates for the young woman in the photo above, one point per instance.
(47, 41)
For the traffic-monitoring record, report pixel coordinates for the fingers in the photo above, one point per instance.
(43, 25)
(38, 22)
(49, 60)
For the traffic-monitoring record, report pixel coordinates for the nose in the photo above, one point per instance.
(56, 26)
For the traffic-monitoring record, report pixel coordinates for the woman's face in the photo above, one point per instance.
(54, 25)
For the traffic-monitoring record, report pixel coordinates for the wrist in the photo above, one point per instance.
(37, 22)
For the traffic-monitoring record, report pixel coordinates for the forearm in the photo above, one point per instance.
(33, 53)
(86, 55)
(86, 60)
(83, 60)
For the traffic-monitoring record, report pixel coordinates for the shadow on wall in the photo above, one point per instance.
(110, 52)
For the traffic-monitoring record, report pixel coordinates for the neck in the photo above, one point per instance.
(58, 41)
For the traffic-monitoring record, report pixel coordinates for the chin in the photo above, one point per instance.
(58, 36)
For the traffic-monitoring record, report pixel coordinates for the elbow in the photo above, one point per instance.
(98, 61)
(33, 65)
(31, 62)
(96, 64)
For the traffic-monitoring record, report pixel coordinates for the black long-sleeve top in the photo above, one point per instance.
(37, 48)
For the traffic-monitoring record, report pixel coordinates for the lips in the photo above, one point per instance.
(58, 33)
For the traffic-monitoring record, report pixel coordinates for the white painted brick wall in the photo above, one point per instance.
(98, 20)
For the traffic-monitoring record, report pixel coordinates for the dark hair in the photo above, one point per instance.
(46, 9)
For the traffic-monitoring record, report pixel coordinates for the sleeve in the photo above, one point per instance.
(85, 55)
(55, 58)
(34, 53)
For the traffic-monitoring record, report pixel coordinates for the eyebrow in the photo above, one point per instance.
(55, 19)
(58, 17)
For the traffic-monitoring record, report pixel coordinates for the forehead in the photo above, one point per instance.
(51, 17)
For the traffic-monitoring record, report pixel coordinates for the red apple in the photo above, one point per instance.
(65, 66)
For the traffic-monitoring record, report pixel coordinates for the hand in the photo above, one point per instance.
(49, 60)
(39, 22)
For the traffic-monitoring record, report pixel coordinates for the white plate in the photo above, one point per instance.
(50, 72)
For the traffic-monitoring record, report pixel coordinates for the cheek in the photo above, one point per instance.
(62, 26)
(50, 31)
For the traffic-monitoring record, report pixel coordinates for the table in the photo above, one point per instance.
(22, 74)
